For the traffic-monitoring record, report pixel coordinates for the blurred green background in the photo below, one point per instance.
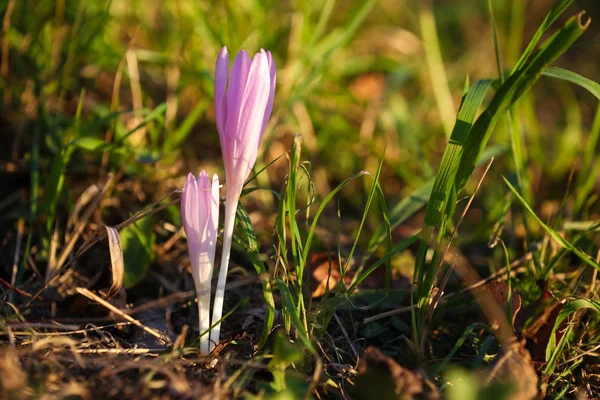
(109, 86)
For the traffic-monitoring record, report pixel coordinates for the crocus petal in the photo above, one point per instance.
(221, 75)
(213, 222)
(273, 75)
(203, 185)
(189, 210)
(235, 96)
(256, 97)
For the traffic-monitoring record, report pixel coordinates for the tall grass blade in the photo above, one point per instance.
(511, 90)
(570, 76)
(553, 350)
(553, 14)
(288, 303)
(553, 234)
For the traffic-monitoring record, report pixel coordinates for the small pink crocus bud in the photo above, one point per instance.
(243, 105)
(200, 215)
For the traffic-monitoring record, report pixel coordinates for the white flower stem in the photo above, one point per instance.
(203, 293)
(230, 209)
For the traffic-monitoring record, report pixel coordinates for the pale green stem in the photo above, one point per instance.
(230, 209)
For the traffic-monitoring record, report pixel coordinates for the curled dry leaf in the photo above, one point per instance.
(380, 377)
(88, 274)
(116, 261)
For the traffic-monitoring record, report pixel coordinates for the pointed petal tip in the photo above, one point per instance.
(189, 190)
(203, 180)
(242, 55)
(189, 179)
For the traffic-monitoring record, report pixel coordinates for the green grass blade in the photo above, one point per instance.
(288, 303)
(326, 200)
(452, 155)
(512, 89)
(445, 179)
(553, 14)
(555, 235)
(459, 344)
(570, 76)
(173, 140)
(153, 115)
(386, 258)
(409, 205)
(553, 349)
(372, 192)
(322, 24)
(58, 169)
(495, 41)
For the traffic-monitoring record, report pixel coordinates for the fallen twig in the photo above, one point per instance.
(87, 293)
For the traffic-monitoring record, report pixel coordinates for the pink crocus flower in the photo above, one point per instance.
(200, 215)
(243, 104)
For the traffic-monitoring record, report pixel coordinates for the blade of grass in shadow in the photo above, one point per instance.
(91, 143)
(176, 138)
(586, 181)
(34, 168)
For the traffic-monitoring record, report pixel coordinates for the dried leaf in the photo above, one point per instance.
(325, 273)
(380, 377)
(116, 261)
